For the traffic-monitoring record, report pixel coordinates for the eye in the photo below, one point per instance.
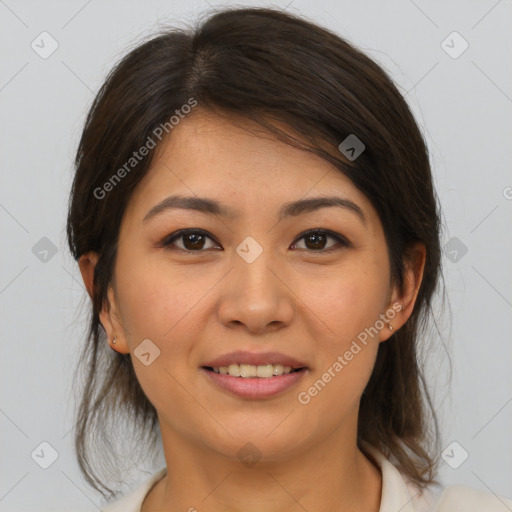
(193, 240)
(315, 239)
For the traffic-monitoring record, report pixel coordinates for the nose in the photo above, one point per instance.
(256, 296)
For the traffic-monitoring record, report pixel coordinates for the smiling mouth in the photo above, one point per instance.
(249, 371)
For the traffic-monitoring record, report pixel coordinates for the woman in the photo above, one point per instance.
(255, 222)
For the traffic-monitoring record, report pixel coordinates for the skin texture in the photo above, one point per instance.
(293, 299)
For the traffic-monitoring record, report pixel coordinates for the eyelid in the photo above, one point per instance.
(176, 235)
(342, 240)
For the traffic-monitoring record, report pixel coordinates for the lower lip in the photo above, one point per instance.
(255, 387)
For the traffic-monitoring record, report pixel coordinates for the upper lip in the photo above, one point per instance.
(261, 358)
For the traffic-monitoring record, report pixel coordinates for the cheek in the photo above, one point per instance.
(346, 355)
(344, 307)
(156, 299)
(159, 306)
(344, 301)
(164, 305)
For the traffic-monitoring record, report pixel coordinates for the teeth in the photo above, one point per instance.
(250, 371)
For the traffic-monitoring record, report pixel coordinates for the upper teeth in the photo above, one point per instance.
(250, 370)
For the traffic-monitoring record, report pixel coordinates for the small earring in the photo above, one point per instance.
(114, 340)
(390, 327)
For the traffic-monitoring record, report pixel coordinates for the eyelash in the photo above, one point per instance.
(169, 240)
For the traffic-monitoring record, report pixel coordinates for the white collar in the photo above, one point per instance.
(395, 495)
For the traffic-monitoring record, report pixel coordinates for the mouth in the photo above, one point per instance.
(251, 371)
(252, 375)
(254, 382)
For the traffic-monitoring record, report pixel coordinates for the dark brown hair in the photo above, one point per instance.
(265, 65)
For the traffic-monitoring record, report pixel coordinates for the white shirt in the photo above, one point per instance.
(398, 495)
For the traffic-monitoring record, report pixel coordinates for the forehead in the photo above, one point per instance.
(236, 161)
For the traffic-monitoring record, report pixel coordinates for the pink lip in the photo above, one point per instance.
(243, 357)
(255, 387)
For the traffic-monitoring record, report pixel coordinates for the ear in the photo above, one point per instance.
(414, 264)
(87, 263)
(109, 317)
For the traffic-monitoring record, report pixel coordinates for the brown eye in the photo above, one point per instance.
(315, 240)
(191, 240)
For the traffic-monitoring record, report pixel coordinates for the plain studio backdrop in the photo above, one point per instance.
(451, 60)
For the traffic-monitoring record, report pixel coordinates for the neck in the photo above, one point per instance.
(332, 476)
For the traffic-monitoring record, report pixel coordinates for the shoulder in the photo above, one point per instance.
(400, 493)
(132, 502)
(455, 498)
(459, 498)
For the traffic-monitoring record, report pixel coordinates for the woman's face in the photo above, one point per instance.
(254, 282)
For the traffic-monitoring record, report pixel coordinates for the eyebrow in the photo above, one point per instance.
(213, 207)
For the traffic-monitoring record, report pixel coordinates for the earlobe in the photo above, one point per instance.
(403, 301)
(87, 264)
(112, 325)
(390, 319)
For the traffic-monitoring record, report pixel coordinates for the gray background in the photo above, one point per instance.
(464, 107)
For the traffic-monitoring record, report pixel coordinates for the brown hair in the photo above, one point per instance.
(265, 65)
